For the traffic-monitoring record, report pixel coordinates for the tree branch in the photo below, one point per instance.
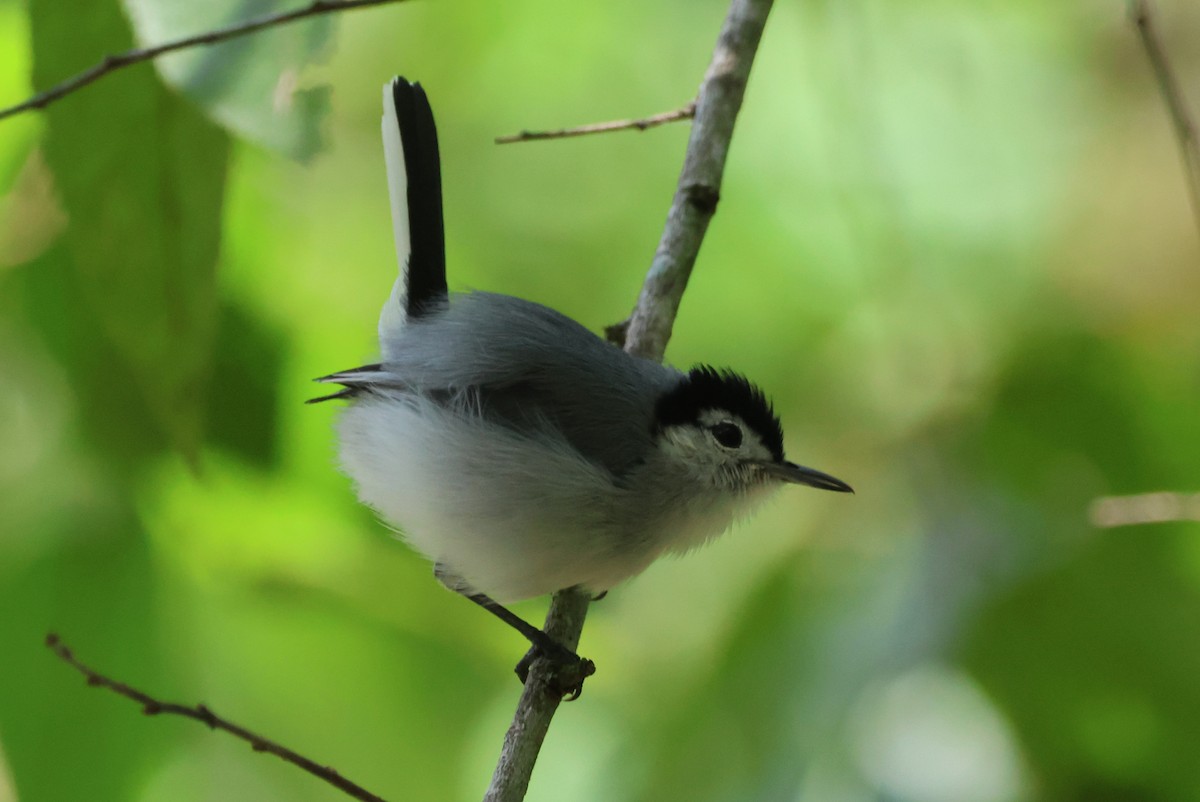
(112, 63)
(1141, 13)
(539, 700)
(201, 713)
(699, 186)
(695, 201)
(685, 113)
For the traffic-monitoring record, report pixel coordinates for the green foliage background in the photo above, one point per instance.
(953, 244)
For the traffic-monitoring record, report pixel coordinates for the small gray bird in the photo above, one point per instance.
(519, 451)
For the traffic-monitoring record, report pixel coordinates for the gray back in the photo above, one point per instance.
(529, 366)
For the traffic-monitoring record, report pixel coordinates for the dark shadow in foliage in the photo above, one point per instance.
(113, 416)
(243, 399)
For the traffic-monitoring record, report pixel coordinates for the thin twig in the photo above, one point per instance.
(1142, 15)
(685, 113)
(717, 107)
(113, 63)
(201, 713)
(1144, 508)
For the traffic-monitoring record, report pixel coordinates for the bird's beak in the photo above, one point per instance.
(798, 474)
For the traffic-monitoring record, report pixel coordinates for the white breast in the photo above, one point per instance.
(514, 516)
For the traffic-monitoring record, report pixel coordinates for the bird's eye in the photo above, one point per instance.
(727, 434)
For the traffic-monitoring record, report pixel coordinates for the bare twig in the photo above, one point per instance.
(113, 63)
(201, 713)
(1142, 15)
(695, 201)
(1144, 508)
(685, 113)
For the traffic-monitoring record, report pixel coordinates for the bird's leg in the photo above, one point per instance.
(540, 640)
(542, 646)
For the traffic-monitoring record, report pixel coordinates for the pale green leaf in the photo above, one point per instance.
(250, 84)
(141, 176)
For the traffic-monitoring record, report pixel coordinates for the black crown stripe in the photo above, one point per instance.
(706, 388)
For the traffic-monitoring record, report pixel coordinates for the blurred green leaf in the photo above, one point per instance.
(63, 739)
(243, 404)
(777, 690)
(250, 84)
(141, 176)
(1095, 662)
(114, 415)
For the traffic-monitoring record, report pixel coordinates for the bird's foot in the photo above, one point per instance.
(567, 670)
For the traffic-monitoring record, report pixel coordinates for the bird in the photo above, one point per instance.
(517, 450)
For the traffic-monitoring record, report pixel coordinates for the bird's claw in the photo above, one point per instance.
(567, 669)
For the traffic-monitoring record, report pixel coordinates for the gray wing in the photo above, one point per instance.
(528, 366)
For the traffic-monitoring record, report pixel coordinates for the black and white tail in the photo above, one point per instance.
(414, 174)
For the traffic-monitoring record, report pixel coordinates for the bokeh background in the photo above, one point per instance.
(954, 244)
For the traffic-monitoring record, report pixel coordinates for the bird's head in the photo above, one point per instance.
(721, 430)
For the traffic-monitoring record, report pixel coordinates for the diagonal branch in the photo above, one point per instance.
(201, 713)
(686, 112)
(693, 206)
(1141, 13)
(699, 186)
(539, 701)
(110, 64)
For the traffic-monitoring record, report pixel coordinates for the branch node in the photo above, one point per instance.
(206, 715)
(703, 198)
(615, 333)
